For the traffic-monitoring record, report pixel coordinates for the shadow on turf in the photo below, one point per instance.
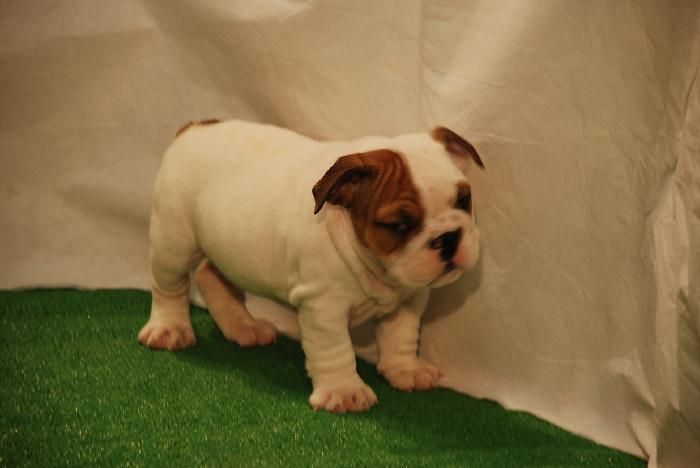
(440, 419)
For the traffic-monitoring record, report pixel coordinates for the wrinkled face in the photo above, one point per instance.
(411, 207)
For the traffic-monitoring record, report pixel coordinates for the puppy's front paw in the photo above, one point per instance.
(355, 396)
(416, 375)
(167, 335)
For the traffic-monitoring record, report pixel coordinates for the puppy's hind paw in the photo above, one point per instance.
(248, 333)
(173, 336)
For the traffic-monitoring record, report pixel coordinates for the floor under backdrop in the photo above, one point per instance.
(77, 389)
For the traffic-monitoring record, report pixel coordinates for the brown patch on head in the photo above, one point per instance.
(457, 146)
(377, 189)
(184, 128)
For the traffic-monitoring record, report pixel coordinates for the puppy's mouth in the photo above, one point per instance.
(450, 273)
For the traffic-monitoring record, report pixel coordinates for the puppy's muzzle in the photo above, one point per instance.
(447, 244)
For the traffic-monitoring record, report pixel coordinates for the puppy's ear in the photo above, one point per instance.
(339, 184)
(459, 148)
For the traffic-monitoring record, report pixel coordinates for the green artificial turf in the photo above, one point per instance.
(77, 389)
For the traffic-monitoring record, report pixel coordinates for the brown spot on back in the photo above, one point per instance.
(185, 127)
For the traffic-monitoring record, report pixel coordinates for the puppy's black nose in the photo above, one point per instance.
(447, 244)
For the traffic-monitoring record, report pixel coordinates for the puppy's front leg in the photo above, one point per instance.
(330, 360)
(397, 339)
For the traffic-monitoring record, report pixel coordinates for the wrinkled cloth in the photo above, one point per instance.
(584, 308)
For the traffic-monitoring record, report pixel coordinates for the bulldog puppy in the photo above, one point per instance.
(389, 219)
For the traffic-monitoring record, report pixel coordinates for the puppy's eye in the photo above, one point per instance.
(464, 201)
(398, 228)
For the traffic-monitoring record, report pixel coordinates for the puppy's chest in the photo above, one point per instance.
(370, 308)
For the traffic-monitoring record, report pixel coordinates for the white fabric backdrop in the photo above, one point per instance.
(584, 308)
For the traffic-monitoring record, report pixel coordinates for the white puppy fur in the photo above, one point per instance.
(239, 195)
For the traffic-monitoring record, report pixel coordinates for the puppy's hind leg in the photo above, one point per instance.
(173, 255)
(226, 304)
